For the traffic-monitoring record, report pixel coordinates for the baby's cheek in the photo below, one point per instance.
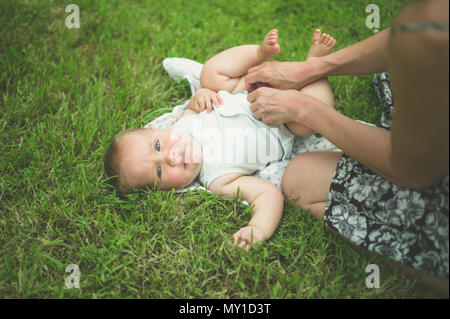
(177, 178)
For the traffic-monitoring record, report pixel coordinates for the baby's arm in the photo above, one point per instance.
(266, 198)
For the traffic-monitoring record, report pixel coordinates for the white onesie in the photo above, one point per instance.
(233, 141)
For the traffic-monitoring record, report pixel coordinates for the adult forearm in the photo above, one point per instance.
(365, 57)
(368, 56)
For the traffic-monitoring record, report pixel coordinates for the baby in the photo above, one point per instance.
(218, 141)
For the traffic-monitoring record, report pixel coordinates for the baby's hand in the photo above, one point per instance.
(246, 235)
(203, 99)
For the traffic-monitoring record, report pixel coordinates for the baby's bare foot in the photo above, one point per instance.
(269, 47)
(322, 44)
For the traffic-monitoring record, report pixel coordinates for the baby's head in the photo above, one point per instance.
(149, 156)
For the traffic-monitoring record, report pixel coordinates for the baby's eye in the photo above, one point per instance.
(159, 171)
(158, 146)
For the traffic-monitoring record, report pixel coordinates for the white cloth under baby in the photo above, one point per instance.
(185, 69)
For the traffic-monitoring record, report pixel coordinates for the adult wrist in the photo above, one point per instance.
(329, 65)
(311, 70)
(323, 66)
(305, 109)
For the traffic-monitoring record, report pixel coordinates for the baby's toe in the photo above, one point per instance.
(331, 41)
(316, 35)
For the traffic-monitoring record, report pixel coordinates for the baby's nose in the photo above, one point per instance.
(172, 157)
(169, 159)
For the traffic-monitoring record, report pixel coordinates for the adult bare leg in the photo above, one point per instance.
(308, 178)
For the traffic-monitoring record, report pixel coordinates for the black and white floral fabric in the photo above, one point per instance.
(381, 85)
(408, 226)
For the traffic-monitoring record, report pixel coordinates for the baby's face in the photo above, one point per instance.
(172, 159)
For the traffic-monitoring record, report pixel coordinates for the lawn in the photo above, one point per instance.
(66, 92)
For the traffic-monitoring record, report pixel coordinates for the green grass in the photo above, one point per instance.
(65, 92)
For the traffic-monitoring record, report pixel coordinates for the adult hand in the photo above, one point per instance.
(273, 106)
(282, 75)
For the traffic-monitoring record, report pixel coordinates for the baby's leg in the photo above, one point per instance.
(225, 70)
(320, 89)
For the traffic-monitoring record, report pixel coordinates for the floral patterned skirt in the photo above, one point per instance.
(406, 225)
